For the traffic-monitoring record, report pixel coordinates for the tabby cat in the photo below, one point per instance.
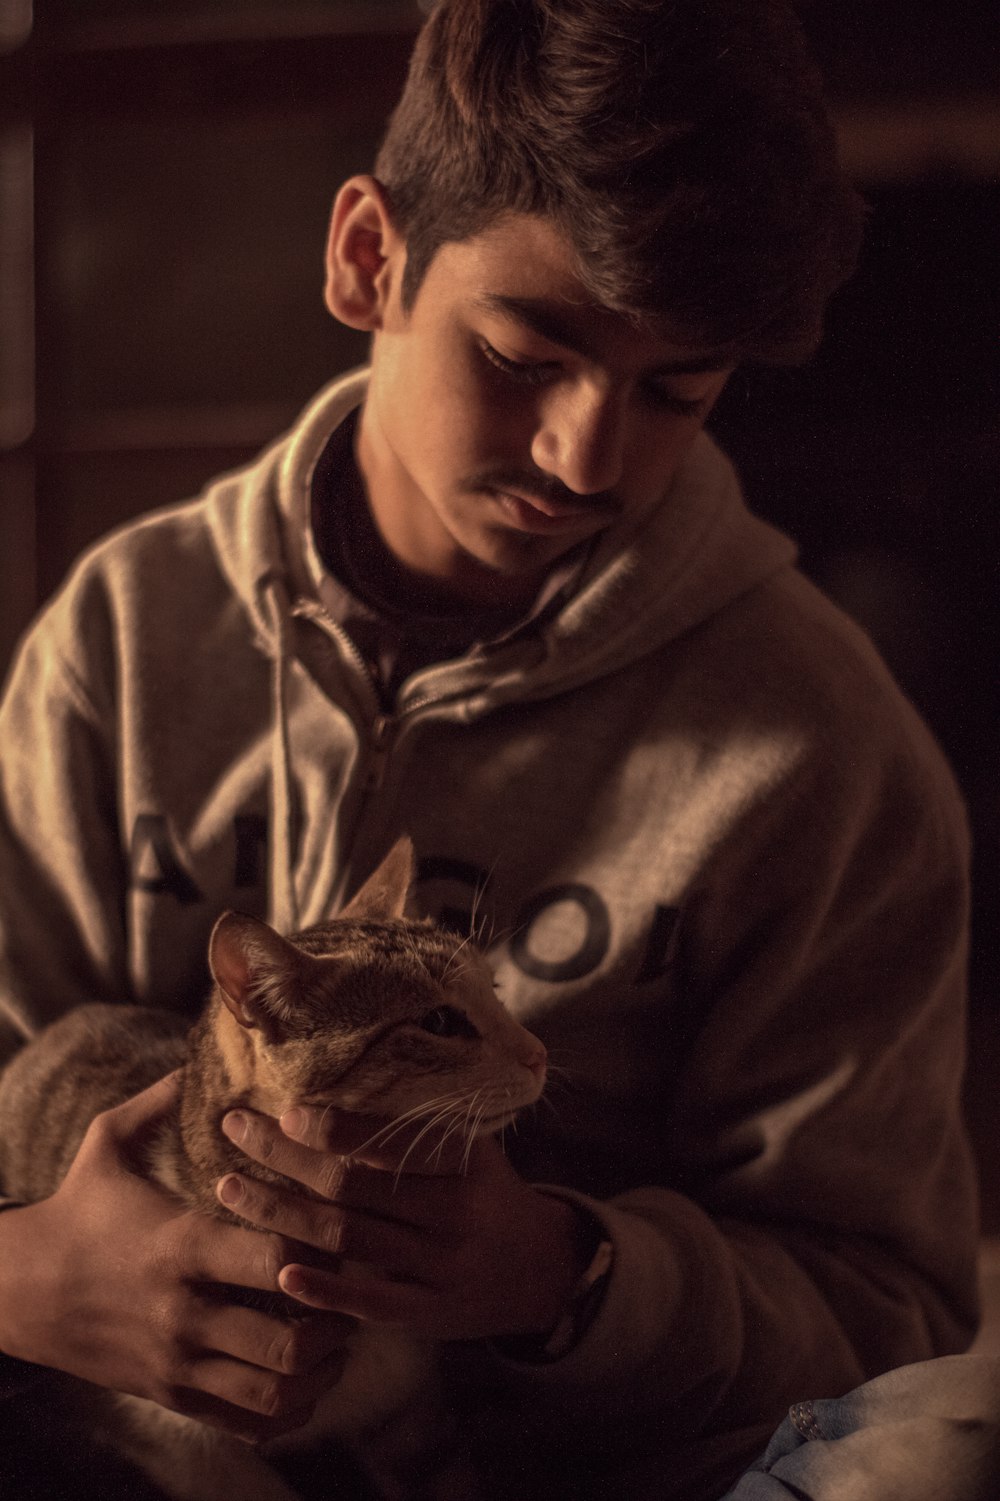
(372, 1013)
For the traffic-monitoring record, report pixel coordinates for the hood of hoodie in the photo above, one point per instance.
(647, 582)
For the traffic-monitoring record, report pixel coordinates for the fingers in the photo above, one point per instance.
(261, 1138)
(250, 1428)
(203, 1250)
(248, 1402)
(255, 1390)
(372, 1221)
(394, 1246)
(423, 1310)
(375, 1299)
(128, 1292)
(330, 1130)
(290, 1347)
(253, 1374)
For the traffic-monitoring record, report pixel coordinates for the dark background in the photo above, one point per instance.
(166, 171)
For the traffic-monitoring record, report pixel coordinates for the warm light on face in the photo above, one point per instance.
(509, 419)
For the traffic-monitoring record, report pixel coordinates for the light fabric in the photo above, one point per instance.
(927, 1432)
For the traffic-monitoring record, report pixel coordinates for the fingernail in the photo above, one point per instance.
(230, 1190)
(235, 1125)
(292, 1281)
(294, 1121)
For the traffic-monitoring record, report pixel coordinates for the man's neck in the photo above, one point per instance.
(446, 579)
(347, 530)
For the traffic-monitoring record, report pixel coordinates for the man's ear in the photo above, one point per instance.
(364, 254)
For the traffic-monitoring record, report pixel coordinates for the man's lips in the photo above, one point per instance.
(549, 506)
(530, 511)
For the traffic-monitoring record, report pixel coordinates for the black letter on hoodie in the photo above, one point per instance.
(151, 842)
(661, 950)
(591, 951)
(439, 868)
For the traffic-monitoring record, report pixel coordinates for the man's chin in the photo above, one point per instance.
(512, 554)
(502, 568)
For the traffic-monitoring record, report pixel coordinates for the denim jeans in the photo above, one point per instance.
(928, 1432)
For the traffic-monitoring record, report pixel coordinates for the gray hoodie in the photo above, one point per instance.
(719, 863)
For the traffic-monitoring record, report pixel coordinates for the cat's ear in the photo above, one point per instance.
(384, 893)
(254, 969)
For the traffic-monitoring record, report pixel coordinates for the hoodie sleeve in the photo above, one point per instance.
(62, 867)
(827, 1227)
(61, 870)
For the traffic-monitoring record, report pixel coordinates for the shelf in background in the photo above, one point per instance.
(901, 140)
(122, 27)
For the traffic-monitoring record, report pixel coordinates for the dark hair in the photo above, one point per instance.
(681, 145)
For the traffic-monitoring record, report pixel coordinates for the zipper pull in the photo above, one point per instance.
(382, 731)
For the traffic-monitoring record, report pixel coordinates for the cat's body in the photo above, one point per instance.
(370, 1013)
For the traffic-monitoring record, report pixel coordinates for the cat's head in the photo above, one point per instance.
(371, 1012)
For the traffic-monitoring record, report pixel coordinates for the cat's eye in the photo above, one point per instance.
(447, 1021)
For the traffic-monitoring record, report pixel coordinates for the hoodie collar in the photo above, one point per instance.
(647, 581)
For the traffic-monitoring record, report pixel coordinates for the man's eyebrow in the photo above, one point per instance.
(548, 320)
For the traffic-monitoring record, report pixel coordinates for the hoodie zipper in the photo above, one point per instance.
(383, 727)
(382, 735)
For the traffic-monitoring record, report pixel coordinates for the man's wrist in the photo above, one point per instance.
(594, 1255)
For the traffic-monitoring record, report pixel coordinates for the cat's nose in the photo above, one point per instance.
(535, 1057)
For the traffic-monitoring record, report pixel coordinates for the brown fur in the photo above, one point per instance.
(348, 1014)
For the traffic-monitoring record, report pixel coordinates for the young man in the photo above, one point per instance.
(501, 592)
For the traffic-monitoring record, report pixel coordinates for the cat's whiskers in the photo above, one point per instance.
(479, 893)
(328, 1109)
(497, 938)
(434, 1112)
(469, 1127)
(453, 956)
(467, 1121)
(414, 1112)
(433, 1124)
(454, 1111)
(503, 1132)
(456, 1125)
(559, 1082)
(471, 1136)
(410, 939)
(385, 1133)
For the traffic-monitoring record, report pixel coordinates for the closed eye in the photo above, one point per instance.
(537, 372)
(447, 1021)
(528, 372)
(682, 406)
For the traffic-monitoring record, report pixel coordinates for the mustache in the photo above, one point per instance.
(544, 487)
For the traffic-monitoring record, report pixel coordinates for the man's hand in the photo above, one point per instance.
(443, 1238)
(112, 1280)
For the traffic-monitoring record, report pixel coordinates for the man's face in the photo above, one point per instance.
(509, 418)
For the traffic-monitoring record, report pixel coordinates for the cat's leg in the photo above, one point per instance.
(51, 1449)
(191, 1461)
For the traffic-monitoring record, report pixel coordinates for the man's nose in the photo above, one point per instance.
(580, 439)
